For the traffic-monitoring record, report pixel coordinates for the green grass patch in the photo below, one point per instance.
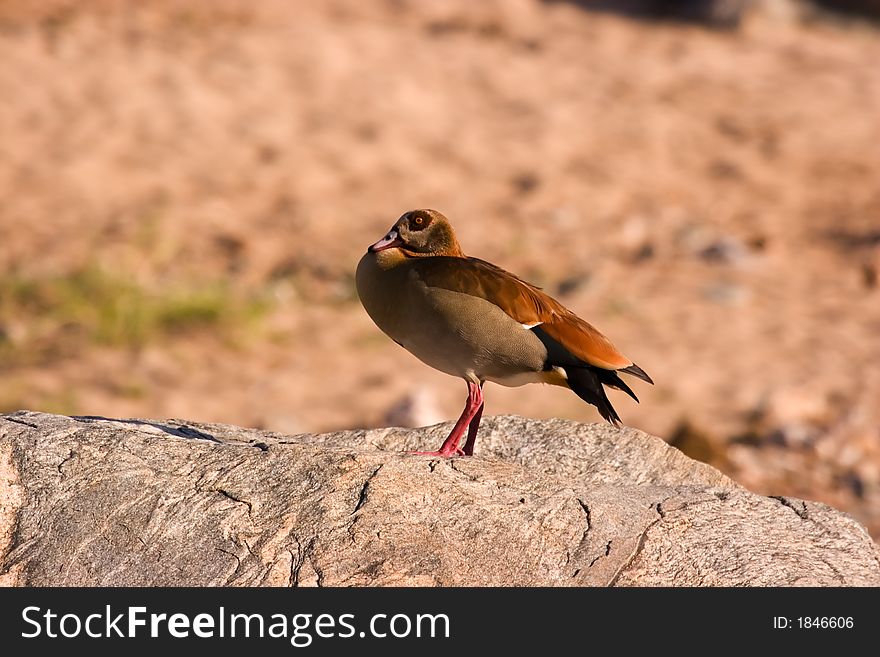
(53, 315)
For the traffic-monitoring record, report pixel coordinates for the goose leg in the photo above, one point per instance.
(472, 410)
(473, 427)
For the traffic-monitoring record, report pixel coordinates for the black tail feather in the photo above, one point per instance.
(637, 371)
(587, 384)
(610, 379)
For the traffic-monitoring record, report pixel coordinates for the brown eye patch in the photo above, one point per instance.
(419, 221)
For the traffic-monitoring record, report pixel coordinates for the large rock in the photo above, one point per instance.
(95, 501)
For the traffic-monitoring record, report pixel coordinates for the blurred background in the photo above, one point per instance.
(186, 188)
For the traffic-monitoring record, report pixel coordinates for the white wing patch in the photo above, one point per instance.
(531, 326)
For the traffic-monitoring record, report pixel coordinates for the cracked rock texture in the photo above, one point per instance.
(96, 501)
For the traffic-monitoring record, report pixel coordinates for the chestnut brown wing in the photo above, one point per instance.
(525, 303)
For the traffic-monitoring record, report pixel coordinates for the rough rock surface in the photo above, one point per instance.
(96, 501)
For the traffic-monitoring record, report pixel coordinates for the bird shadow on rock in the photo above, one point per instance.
(182, 431)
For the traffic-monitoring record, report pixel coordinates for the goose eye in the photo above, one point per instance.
(419, 221)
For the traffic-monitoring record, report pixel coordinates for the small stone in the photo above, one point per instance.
(869, 275)
(725, 250)
(417, 408)
(731, 293)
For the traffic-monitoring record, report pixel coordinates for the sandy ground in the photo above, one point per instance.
(708, 199)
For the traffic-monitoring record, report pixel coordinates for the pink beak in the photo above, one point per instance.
(388, 242)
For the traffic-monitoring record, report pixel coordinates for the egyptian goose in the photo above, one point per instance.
(471, 319)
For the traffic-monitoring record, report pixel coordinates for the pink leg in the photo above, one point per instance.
(473, 427)
(471, 410)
